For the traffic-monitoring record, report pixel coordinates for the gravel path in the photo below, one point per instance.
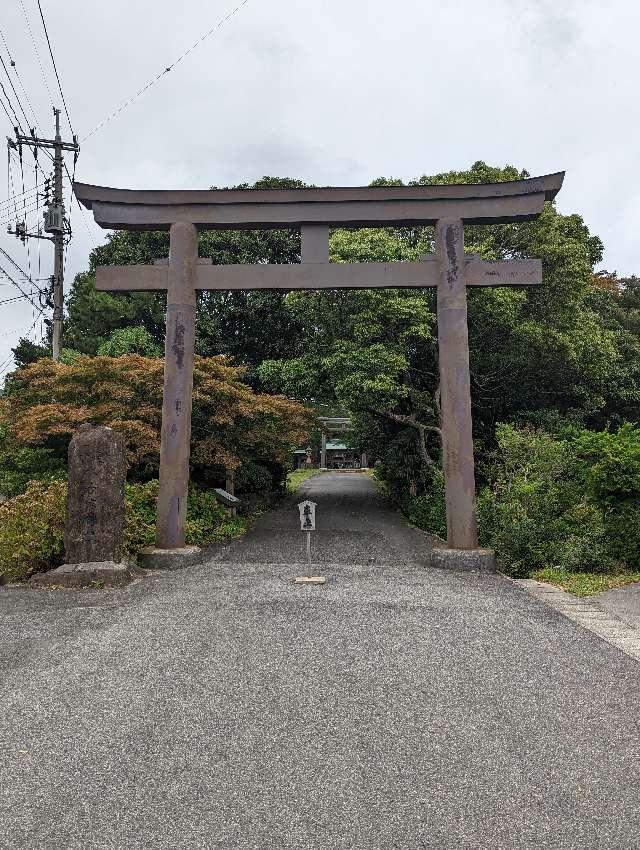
(396, 707)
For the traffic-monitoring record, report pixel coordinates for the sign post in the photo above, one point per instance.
(308, 523)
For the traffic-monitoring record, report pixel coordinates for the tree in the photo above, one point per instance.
(27, 352)
(375, 352)
(566, 349)
(46, 402)
(617, 304)
(132, 340)
(249, 326)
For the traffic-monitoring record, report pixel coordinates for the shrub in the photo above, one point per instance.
(613, 484)
(428, 511)
(567, 503)
(622, 526)
(20, 464)
(253, 478)
(207, 520)
(139, 517)
(130, 340)
(32, 530)
(32, 525)
(46, 402)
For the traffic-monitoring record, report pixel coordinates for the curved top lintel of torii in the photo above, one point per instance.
(359, 206)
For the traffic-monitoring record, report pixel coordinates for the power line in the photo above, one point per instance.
(33, 280)
(53, 61)
(35, 47)
(6, 70)
(15, 283)
(19, 78)
(166, 70)
(6, 365)
(18, 268)
(16, 120)
(13, 198)
(26, 295)
(24, 205)
(80, 207)
(7, 113)
(24, 213)
(14, 331)
(55, 68)
(17, 298)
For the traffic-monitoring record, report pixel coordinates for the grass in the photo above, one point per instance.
(295, 478)
(584, 584)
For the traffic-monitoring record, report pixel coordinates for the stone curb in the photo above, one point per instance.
(463, 560)
(97, 573)
(589, 615)
(170, 559)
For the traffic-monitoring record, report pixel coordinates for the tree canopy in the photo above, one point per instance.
(46, 402)
(248, 326)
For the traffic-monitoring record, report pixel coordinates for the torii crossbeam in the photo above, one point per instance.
(314, 211)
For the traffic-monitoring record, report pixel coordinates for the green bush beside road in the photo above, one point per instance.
(32, 530)
(32, 525)
(554, 504)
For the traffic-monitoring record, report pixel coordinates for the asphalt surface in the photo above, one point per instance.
(624, 602)
(223, 706)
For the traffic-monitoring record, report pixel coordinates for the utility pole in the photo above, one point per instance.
(56, 222)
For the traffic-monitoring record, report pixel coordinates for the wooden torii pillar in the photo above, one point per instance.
(314, 211)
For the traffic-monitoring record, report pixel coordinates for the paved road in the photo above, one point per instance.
(624, 602)
(395, 707)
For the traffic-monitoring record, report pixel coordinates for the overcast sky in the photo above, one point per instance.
(338, 92)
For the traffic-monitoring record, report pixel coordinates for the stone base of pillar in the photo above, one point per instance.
(94, 574)
(464, 560)
(169, 559)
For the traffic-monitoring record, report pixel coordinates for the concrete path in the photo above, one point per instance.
(395, 707)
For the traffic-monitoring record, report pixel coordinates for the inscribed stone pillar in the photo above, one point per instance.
(95, 501)
(455, 395)
(178, 387)
(323, 451)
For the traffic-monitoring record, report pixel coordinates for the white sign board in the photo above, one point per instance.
(226, 498)
(307, 515)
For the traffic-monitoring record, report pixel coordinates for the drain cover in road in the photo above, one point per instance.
(310, 580)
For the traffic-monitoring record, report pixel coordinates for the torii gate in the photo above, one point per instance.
(314, 211)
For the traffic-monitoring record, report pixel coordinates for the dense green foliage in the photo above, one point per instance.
(565, 352)
(32, 530)
(21, 463)
(207, 520)
(569, 501)
(131, 340)
(246, 325)
(45, 403)
(32, 525)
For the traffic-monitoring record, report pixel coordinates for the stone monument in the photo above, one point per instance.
(95, 511)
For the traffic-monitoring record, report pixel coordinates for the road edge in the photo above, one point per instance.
(589, 615)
